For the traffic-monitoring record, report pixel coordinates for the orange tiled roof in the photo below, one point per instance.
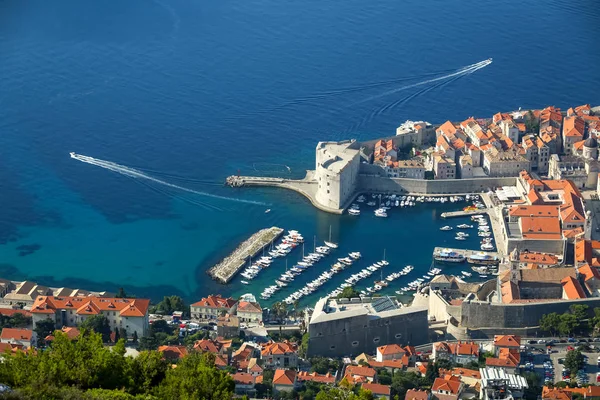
(540, 228)
(284, 377)
(91, 305)
(572, 288)
(390, 349)
(589, 272)
(447, 128)
(278, 348)
(9, 312)
(246, 306)
(213, 301)
(416, 394)
(243, 378)
(16, 334)
(173, 352)
(314, 377)
(533, 210)
(573, 126)
(400, 363)
(507, 341)
(470, 373)
(555, 394)
(538, 258)
(208, 345)
(377, 388)
(220, 361)
(450, 384)
(459, 348)
(360, 371)
(506, 358)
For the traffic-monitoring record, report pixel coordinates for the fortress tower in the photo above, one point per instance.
(336, 172)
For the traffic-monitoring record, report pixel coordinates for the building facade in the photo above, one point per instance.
(336, 172)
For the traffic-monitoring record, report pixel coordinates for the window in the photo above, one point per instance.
(355, 343)
(398, 335)
(376, 339)
(331, 347)
(328, 191)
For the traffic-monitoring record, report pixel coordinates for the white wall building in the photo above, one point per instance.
(336, 172)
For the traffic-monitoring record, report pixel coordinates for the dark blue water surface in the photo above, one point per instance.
(194, 91)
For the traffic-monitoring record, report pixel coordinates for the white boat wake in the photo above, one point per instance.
(469, 69)
(136, 174)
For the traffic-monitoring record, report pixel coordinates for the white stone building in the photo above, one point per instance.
(130, 314)
(504, 163)
(444, 167)
(211, 307)
(336, 172)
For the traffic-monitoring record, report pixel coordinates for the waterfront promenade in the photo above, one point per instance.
(225, 270)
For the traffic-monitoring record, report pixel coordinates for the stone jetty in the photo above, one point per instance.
(225, 270)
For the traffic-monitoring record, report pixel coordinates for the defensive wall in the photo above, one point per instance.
(509, 318)
(377, 183)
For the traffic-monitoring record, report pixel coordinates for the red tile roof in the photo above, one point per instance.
(538, 258)
(507, 341)
(284, 377)
(91, 305)
(376, 388)
(459, 348)
(246, 306)
(243, 378)
(9, 312)
(589, 272)
(572, 288)
(451, 384)
(173, 352)
(208, 345)
(278, 348)
(555, 394)
(314, 377)
(16, 334)
(13, 348)
(416, 394)
(389, 349)
(213, 301)
(353, 370)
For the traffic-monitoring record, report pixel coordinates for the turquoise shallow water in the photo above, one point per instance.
(195, 91)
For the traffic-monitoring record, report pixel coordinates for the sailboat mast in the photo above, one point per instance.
(315, 244)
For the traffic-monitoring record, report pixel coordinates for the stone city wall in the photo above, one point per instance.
(377, 183)
(479, 315)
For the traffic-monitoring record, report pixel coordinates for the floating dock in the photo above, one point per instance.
(225, 270)
(453, 214)
(466, 253)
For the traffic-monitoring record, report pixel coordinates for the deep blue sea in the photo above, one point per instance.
(193, 91)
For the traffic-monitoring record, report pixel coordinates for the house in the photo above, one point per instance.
(12, 348)
(460, 352)
(572, 289)
(356, 374)
(221, 361)
(444, 167)
(254, 368)
(497, 384)
(540, 260)
(589, 393)
(573, 131)
(282, 354)
(508, 359)
(449, 386)
(469, 377)
(211, 307)
(172, 352)
(327, 378)
(209, 346)
(72, 333)
(129, 314)
(379, 391)
(555, 394)
(228, 326)
(18, 336)
(242, 356)
(416, 394)
(284, 380)
(248, 311)
(591, 279)
(506, 342)
(389, 352)
(244, 383)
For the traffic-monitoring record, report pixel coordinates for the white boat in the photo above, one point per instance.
(371, 203)
(380, 213)
(354, 211)
(487, 246)
(460, 238)
(330, 243)
(244, 282)
(446, 228)
(467, 274)
(464, 226)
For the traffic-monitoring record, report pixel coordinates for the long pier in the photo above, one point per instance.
(453, 214)
(466, 253)
(225, 270)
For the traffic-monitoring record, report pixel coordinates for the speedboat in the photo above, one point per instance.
(245, 282)
(354, 211)
(464, 226)
(460, 238)
(446, 228)
(380, 212)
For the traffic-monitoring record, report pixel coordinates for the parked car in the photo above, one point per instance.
(532, 341)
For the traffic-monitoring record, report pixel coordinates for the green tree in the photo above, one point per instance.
(148, 370)
(159, 326)
(303, 345)
(170, 304)
(348, 292)
(196, 378)
(567, 324)
(42, 329)
(574, 361)
(549, 323)
(121, 294)
(148, 343)
(384, 377)
(134, 338)
(534, 385)
(343, 393)
(17, 320)
(117, 334)
(98, 324)
(123, 333)
(403, 381)
(322, 365)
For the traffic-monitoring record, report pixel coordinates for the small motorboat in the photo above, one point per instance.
(268, 210)
(446, 228)
(245, 282)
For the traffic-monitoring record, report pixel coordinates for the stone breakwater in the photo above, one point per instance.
(227, 268)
